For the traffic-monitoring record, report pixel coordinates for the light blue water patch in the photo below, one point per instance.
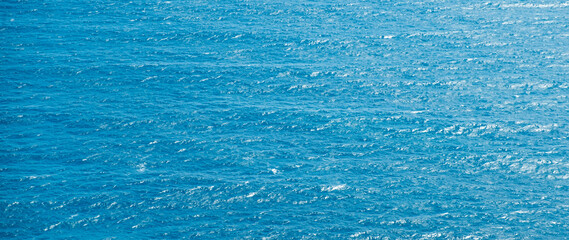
(284, 120)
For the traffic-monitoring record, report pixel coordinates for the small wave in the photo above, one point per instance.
(334, 188)
(532, 5)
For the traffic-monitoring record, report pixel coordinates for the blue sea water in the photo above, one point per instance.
(265, 119)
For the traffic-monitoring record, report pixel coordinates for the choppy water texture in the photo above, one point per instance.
(284, 119)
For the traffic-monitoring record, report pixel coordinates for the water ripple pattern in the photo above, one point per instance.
(264, 119)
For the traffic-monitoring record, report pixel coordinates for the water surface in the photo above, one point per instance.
(284, 119)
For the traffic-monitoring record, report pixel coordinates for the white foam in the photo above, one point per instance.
(334, 188)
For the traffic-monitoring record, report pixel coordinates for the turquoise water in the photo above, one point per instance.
(284, 119)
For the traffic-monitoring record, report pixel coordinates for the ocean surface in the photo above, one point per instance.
(265, 119)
